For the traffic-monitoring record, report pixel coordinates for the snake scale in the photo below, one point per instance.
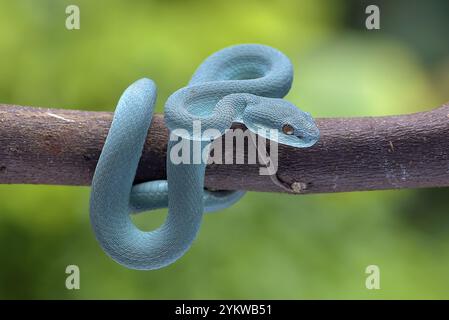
(243, 84)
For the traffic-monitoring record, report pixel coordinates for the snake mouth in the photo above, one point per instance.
(308, 140)
(296, 141)
(292, 140)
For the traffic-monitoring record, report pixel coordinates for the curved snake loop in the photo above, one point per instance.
(238, 84)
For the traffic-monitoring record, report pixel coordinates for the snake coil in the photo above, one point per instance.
(243, 83)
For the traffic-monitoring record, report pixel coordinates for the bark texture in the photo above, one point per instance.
(52, 146)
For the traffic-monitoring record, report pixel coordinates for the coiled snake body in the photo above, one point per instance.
(243, 84)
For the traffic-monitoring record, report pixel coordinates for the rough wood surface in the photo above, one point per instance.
(52, 146)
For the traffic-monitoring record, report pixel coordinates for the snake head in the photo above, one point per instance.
(281, 121)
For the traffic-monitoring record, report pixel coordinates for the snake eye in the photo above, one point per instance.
(288, 129)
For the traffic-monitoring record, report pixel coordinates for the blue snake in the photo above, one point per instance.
(239, 84)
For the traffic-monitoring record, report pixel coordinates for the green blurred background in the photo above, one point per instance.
(268, 245)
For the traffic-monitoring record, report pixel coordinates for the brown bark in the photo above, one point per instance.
(52, 146)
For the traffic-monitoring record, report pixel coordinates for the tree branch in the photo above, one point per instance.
(51, 146)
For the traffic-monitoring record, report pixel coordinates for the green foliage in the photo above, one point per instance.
(268, 245)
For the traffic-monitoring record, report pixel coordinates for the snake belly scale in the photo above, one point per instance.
(243, 83)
